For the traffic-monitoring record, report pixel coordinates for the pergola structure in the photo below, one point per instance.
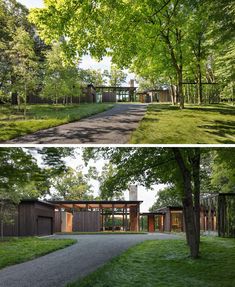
(116, 94)
(91, 215)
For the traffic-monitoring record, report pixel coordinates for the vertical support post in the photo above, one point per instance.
(123, 220)
(112, 217)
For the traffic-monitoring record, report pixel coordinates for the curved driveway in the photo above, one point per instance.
(110, 127)
(66, 265)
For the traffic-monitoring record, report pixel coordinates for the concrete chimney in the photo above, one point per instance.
(133, 192)
(132, 83)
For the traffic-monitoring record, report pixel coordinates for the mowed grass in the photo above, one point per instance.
(162, 263)
(166, 124)
(13, 124)
(17, 250)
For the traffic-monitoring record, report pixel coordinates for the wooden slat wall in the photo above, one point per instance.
(26, 219)
(167, 221)
(57, 224)
(11, 229)
(86, 221)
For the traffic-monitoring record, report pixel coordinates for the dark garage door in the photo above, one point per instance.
(44, 226)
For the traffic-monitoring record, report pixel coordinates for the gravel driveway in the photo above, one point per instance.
(66, 265)
(110, 127)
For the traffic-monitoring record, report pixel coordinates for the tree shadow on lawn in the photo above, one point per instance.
(160, 107)
(221, 129)
(224, 110)
(150, 119)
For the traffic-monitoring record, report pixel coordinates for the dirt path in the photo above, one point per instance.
(66, 265)
(110, 127)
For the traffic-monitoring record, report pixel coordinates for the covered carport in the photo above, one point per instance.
(94, 215)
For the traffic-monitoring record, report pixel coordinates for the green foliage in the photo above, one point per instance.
(116, 76)
(61, 79)
(94, 77)
(71, 185)
(24, 65)
(223, 176)
(18, 250)
(168, 196)
(171, 39)
(137, 266)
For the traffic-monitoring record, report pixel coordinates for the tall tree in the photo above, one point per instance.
(168, 196)
(148, 166)
(25, 66)
(116, 76)
(20, 177)
(71, 185)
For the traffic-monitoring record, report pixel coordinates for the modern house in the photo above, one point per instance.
(165, 219)
(157, 96)
(38, 218)
(217, 214)
(35, 217)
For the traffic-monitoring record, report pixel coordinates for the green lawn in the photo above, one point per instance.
(17, 250)
(166, 124)
(13, 124)
(162, 263)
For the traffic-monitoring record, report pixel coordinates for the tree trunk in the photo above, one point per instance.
(1, 223)
(196, 178)
(180, 88)
(25, 99)
(190, 224)
(199, 83)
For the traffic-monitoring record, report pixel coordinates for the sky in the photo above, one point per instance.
(87, 61)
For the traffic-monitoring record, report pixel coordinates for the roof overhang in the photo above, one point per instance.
(94, 203)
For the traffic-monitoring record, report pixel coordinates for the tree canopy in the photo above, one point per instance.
(176, 39)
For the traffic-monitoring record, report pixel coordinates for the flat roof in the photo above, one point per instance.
(95, 203)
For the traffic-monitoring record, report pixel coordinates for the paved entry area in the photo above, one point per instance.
(110, 127)
(66, 265)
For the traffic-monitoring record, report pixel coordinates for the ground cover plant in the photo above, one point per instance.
(13, 124)
(209, 124)
(17, 250)
(166, 263)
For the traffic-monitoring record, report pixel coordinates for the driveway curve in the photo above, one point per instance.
(110, 127)
(74, 262)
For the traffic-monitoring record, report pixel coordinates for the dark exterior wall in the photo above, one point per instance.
(12, 229)
(86, 221)
(164, 96)
(26, 219)
(108, 97)
(32, 218)
(167, 220)
(226, 215)
(57, 225)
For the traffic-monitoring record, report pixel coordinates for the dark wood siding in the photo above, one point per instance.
(167, 221)
(44, 225)
(86, 221)
(57, 225)
(27, 220)
(11, 229)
